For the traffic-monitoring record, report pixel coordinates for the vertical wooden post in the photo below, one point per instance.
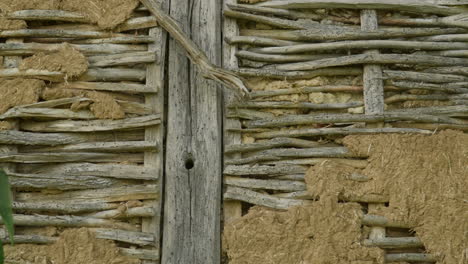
(155, 101)
(193, 181)
(231, 209)
(373, 96)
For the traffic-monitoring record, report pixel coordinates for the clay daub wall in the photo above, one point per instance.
(341, 155)
(80, 118)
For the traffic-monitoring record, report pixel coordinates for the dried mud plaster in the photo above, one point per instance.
(67, 60)
(107, 14)
(75, 246)
(19, 92)
(321, 233)
(425, 178)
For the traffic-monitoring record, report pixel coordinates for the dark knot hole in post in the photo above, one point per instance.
(189, 163)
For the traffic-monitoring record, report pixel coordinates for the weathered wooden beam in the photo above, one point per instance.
(25, 138)
(113, 194)
(122, 59)
(274, 58)
(410, 257)
(374, 59)
(133, 88)
(131, 237)
(363, 44)
(48, 157)
(36, 74)
(258, 41)
(273, 143)
(144, 254)
(48, 15)
(376, 220)
(293, 14)
(394, 242)
(48, 113)
(54, 33)
(306, 90)
(130, 39)
(265, 184)
(310, 132)
(272, 21)
(119, 146)
(357, 163)
(442, 87)
(26, 239)
(321, 32)
(130, 212)
(292, 120)
(113, 75)
(263, 170)
(294, 105)
(63, 208)
(275, 74)
(119, 171)
(416, 6)
(252, 197)
(424, 77)
(68, 221)
(93, 125)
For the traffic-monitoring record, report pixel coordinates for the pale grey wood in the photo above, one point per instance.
(57, 15)
(394, 242)
(137, 23)
(257, 198)
(322, 32)
(410, 257)
(47, 113)
(48, 157)
(424, 77)
(377, 220)
(26, 239)
(193, 195)
(131, 237)
(119, 146)
(109, 86)
(273, 143)
(274, 58)
(310, 132)
(68, 221)
(263, 170)
(122, 59)
(372, 76)
(363, 44)
(275, 74)
(115, 40)
(63, 208)
(257, 41)
(93, 125)
(113, 75)
(265, 184)
(242, 113)
(442, 87)
(144, 212)
(293, 14)
(428, 60)
(417, 6)
(294, 105)
(26, 138)
(143, 254)
(36, 74)
(272, 21)
(307, 90)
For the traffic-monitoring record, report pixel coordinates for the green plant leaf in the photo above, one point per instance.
(2, 254)
(5, 204)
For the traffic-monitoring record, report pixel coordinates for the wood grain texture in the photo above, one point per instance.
(193, 156)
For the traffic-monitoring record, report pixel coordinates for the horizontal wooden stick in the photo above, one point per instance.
(285, 153)
(137, 23)
(93, 125)
(122, 59)
(424, 77)
(36, 74)
(119, 171)
(273, 143)
(298, 195)
(364, 44)
(259, 41)
(133, 88)
(272, 21)
(357, 163)
(131, 237)
(145, 254)
(119, 213)
(306, 90)
(113, 75)
(12, 137)
(376, 220)
(448, 53)
(252, 197)
(59, 182)
(128, 39)
(48, 157)
(293, 120)
(293, 105)
(444, 37)
(113, 194)
(416, 6)
(294, 14)
(273, 58)
(335, 33)
(443, 87)
(449, 70)
(48, 113)
(265, 184)
(119, 146)
(275, 74)
(54, 33)
(26, 239)
(63, 208)
(373, 58)
(409, 257)
(242, 113)
(68, 221)
(417, 97)
(266, 171)
(55, 15)
(309, 132)
(25, 49)
(394, 242)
